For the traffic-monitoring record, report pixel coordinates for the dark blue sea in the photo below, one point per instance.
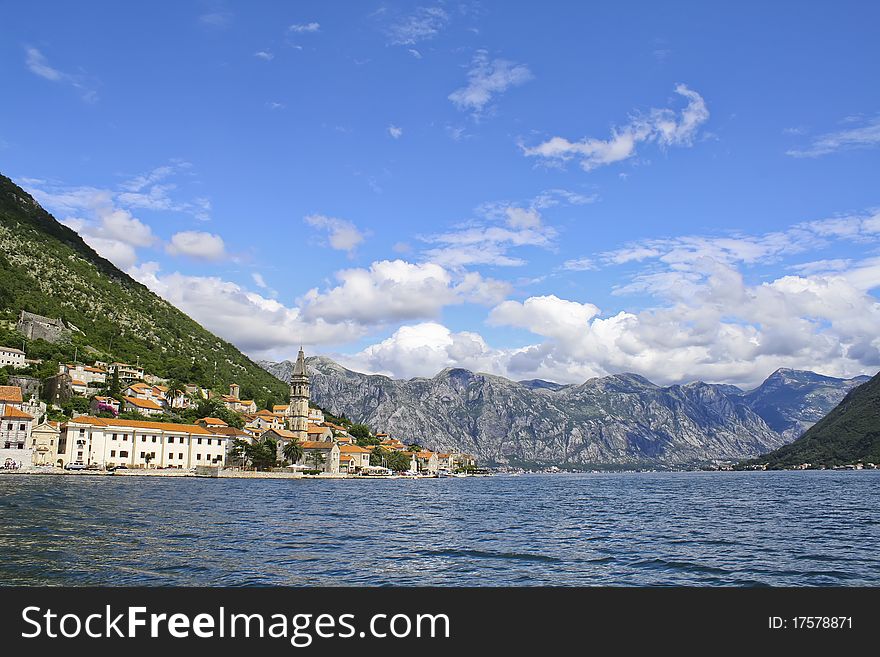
(634, 529)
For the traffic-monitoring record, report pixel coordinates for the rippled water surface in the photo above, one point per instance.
(726, 528)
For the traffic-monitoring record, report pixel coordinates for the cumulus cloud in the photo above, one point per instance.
(865, 135)
(659, 126)
(423, 350)
(395, 290)
(486, 79)
(342, 234)
(220, 305)
(197, 244)
(112, 231)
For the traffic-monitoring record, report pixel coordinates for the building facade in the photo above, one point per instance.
(299, 398)
(12, 357)
(108, 442)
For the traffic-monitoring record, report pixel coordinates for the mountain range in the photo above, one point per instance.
(618, 421)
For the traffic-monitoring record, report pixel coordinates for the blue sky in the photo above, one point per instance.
(564, 191)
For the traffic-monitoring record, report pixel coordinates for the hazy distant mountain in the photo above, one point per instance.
(849, 433)
(622, 420)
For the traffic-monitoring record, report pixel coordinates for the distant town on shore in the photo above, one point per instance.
(116, 416)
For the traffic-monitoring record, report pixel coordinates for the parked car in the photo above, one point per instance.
(114, 468)
(75, 466)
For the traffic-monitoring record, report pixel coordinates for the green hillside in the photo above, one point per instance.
(848, 434)
(46, 268)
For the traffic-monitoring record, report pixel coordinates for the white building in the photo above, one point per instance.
(44, 443)
(95, 377)
(10, 356)
(15, 436)
(107, 442)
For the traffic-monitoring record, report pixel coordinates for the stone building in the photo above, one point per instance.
(299, 398)
(37, 327)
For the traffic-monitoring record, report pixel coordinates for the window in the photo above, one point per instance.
(114, 435)
(125, 437)
(123, 455)
(198, 457)
(200, 441)
(170, 439)
(143, 439)
(21, 427)
(154, 438)
(181, 455)
(143, 454)
(112, 453)
(171, 455)
(9, 427)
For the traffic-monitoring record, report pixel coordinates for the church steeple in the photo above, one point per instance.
(299, 398)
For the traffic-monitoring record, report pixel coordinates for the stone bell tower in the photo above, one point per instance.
(299, 398)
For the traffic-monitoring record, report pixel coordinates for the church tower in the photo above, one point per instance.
(299, 398)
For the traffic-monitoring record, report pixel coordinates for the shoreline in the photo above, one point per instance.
(222, 474)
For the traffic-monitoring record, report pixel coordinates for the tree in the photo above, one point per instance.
(316, 458)
(176, 388)
(263, 453)
(114, 388)
(360, 431)
(396, 460)
(379, 456)
(238, 451)
(293, 450)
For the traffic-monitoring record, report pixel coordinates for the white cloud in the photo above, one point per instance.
(394, 131)
(490, 241)
(265, 55)
(749, 249)
(423, 350)
(220, 305)
(424, 23)
(415, 53)
(301, 28)
(37, 64)
(396, 290)
(579, 264)
(660, 126)
(487, 79)
(342, 235)
(197, 244)
(866, 135)
(259, 280)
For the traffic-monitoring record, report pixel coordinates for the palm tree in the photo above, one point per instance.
(176, 388)
(293, 450)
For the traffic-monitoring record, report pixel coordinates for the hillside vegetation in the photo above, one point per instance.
(850, 433)
(47, 268)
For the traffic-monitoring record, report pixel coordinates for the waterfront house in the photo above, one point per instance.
(106, 442)
(353, 458)
(44, 443)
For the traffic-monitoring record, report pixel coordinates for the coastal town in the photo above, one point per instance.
(123, 420)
